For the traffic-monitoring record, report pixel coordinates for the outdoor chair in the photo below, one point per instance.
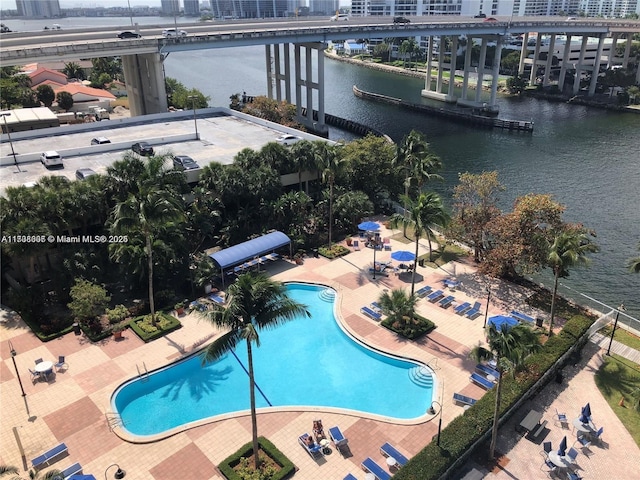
(314, 450)
(547, 447)
(548, 467)
(584, 443)
(474, 312)
(463, 399)
(389, 450)
(338, 439)
(369, 465)
(35, 376)
(597, 437)
(38, 360)
(572, 454)
(573, 475)
(356, 245)
(561, 419)
(61, 363)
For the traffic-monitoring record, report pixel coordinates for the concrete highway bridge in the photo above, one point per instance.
(305, 39)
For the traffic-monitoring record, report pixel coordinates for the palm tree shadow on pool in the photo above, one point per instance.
(204, 381)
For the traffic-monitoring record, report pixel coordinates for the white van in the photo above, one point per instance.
(342, 17)
(51, 158)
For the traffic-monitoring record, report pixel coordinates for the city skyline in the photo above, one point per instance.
(11, 4)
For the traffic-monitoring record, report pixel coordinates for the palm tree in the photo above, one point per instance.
(508, 347)
(398, 305)
(302, 154)
(255, 302)
(329, 162)
(7, 470)
(570, 248)
(634, 263)
(423, 212)
(11, 473)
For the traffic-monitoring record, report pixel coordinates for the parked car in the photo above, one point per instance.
(84, 173)
(173, 32)
(100, 141)
(401, 20)
(142, 148)
(480, 15)
(342, 17)
(287, 139)
(184, 162)
(129, 34)
(51, 158)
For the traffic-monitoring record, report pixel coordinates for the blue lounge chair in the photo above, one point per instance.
(522, 317)
(424, 291)
(463, 399)
(462, 308)
(372, 467)
(434, 296)
(371, 313)
(338, 439)
(475, 311)
(487, 370)
(445, 302)
(480, 380)
(376, 306)
(49, 455)
(350, 477)
(389, 450)
(452, 284)
(69, 472)
(314, 451)
(216, 299)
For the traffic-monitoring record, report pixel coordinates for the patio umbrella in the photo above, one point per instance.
(502, 321)
(369, 226)
(562, 449)
(403, 256)
(586, 413)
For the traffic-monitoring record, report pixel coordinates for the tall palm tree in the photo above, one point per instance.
(255, 302)
(569, 249)
(303, 155)
(508, 347)
(150, 214)
(422, 213)
(330, 164)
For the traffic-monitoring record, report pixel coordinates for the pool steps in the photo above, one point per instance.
(421, 375)
(328, 295)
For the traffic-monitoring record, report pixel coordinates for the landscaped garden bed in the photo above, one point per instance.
(410, 328)
(336, 250)
(275, 465)
(148, 330)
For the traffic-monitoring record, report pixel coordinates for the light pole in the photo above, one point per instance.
(615, 324)
(13, 358)
(13, 152)
(195, 121)
(486, 312)
(432, 411)
(130, 12)
(119, 473)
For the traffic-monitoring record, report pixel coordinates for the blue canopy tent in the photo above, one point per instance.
(502, 321)
(249, 250)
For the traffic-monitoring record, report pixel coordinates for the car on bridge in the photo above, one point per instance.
(51, 159)
(401, 20)
(184, 162)
(142, 148)
(341, 17)
(288, 140)
(84, 173)
(129, 34)
(173, 32)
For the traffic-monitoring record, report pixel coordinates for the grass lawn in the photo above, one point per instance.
(616, 379)
(622, 336)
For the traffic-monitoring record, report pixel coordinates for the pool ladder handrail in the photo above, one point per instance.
(143, 376)
(113, 420)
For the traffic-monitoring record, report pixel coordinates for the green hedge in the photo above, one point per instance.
(287, 467)
(432, 462)
(166, 323)
(335, 251)
(411, 331)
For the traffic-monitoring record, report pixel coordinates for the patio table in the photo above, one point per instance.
(583, 427)
(559, 461)
(531, 421)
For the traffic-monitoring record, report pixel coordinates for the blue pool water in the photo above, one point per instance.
(306, 362)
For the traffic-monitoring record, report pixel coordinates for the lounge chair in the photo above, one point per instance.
(389, 450)
(480, 380)
(445, 302)
(475, 311)
(315, 450)
(451, 284)
(375, 306)
(371, 314)
(434, 296)
(216, 299)
(369, 465)
(61, 363)
(69, 472)
(424, 291)
(338, 439)
(463, 399)
(46, 457)
(521, 317)
(487, 370)
(350, 477)
(462, 308)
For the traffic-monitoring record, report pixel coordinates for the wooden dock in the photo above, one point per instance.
(464, 116)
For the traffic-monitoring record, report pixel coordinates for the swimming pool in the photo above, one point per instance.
(305, 362)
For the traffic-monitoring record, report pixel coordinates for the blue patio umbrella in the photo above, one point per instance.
(502, 321)
(403, 256)
(585, 415)
(562, 449)
(369, 226)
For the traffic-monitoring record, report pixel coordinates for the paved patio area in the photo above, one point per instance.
(73, 406)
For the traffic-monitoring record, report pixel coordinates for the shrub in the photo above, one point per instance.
(410, 328)
(336, 250)
(117, 314)
(147, 330)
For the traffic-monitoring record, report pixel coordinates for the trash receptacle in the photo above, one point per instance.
(76, 328)
(421, 262)
(315, 253)
(539, 322)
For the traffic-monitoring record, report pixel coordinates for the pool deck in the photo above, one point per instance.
(71, 406)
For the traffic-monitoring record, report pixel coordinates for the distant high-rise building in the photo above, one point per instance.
(170, 7)
(250, 8)
(191, 8)
(38, 8)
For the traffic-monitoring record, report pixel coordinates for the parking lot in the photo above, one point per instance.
(222, 134)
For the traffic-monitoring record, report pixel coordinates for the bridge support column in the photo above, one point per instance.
(427, 80)
(304, 112)
(467, 68)
(576, 80)
(523, 53)
(495, 75)
(534, 61)
(438, 94)
(274, 71)
(481, 63)
(547, 68)
(627, 51)
(144, 79)
(596, 67)
(612, 53)
(564, 62)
